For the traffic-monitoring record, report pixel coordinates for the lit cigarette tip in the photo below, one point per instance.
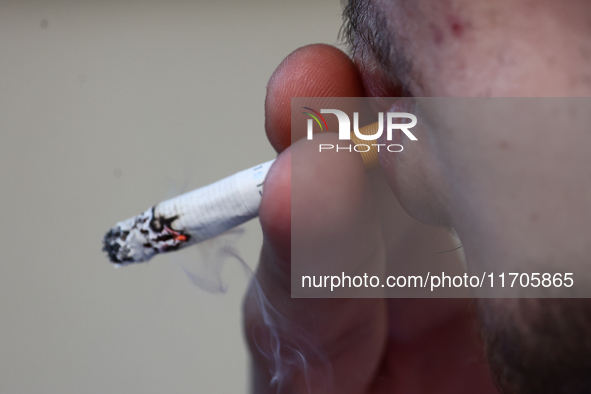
(120, 246)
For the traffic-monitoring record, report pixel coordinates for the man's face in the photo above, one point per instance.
(517, 201)
(465, 48)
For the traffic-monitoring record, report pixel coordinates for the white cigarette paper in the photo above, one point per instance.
(189, 218)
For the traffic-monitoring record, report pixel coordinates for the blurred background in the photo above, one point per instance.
(107, 108)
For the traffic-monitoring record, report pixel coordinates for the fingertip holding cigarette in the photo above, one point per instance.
(198, 215)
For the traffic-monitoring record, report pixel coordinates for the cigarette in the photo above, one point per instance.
(187, 219)
(196, 216)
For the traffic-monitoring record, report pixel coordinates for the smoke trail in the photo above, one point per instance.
(207, 274)
(288, 351)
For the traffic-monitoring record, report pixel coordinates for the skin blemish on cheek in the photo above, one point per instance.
(503, 145)
(457, 26)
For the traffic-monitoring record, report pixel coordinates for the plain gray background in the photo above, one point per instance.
(105, 109)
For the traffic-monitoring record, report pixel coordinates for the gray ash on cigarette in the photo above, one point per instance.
(139, 238)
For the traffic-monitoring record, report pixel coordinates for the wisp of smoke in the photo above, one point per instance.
(207, 272)
(289, 351)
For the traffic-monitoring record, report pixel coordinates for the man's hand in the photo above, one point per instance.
(345, 345)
